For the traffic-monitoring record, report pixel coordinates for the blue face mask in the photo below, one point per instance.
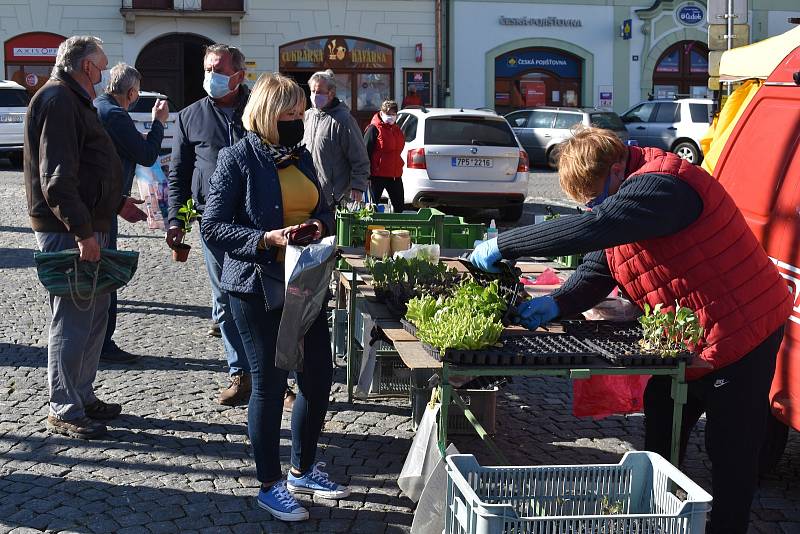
(596, 201)
(216, 84)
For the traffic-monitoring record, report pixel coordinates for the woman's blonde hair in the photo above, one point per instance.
(272, 95)
(585, 161)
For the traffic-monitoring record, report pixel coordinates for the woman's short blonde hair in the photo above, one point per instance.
(272, 95)
(585, 161)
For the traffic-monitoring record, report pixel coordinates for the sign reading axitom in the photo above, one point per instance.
(541, 22)
(35, 52)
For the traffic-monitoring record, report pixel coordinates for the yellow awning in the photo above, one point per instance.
(758, 60)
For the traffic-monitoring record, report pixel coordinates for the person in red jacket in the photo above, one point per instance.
(385, 142)
(412, 98)
(666, 231)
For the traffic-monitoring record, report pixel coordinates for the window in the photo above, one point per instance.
(14, 98)
(468, 131)
(373, 89)
(409, 128)
(542, 119)
(609, 121)
(518, 119)
(669, 63)
(565, 121)
(700, 112)
(344, 89)
(145, 105)
(667, 112)
(640, 113)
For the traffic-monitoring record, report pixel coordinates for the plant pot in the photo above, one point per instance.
(180, 251)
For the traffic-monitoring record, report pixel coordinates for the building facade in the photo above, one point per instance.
(612, 54)
(502, 55)
(376, 48)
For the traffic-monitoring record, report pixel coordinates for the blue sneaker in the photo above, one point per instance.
(316, 482)
(281, 504)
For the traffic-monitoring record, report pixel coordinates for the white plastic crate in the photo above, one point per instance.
(636, 496)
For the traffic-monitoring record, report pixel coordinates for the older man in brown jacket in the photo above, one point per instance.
(73, 180)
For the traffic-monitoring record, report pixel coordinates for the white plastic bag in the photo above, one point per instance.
(366, 374)
(308, 272)
(423, 456)
(427, 252)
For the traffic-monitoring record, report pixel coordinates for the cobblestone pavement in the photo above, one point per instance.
(178, 462)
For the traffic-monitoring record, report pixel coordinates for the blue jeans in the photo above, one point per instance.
(259, 331)
(77, 328)
(221, 310)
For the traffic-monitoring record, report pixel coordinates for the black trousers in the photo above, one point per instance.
(735, 400)
(393, 186)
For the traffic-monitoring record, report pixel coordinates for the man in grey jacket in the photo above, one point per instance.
(335, 142)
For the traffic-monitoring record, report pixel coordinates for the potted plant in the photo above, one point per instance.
(186, 214)
(669, 333)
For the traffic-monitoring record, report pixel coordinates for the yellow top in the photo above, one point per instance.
(299, 194)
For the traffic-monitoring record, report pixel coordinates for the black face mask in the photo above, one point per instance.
(290, 132)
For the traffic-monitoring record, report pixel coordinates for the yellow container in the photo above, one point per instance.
(401, 240)
(380, 243)
(368, 234)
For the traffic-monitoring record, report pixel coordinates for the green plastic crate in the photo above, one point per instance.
(460, 234)
(570, 262)
(426, 226)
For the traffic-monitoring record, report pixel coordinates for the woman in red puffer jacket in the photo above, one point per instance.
(385, 142)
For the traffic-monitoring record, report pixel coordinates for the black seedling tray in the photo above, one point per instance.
(530, 351)
(618, 343)
(509, 286)
(409, 327)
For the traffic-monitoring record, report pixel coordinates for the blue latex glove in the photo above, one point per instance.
(536, 312)
(485, 255)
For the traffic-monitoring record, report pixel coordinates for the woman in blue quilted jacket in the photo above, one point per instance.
(264, 187)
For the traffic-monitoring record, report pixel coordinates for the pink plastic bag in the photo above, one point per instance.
(601, 396)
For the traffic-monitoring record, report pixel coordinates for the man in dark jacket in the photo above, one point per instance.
(203, 128)
(73, 181)
(112, 108)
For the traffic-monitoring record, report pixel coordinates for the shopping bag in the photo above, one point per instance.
(430, 512)
(602, 395)
(366, 374)
(154, 190)
(64, 275)
(423, 455)
(308, 274)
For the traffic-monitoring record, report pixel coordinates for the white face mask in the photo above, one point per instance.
(319, 100)
(216, 85)
(388, 119)
(100, 87)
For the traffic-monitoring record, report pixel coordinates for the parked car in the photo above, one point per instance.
(463, 158)
(143, 117)
(540, 130)
(674, 125)
(13, 104)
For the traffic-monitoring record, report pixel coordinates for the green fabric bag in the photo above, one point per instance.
(64, 275)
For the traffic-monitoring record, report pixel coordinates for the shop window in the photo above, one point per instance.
(669, 63)
(344, 88)
(373, 89)
(537, 76)
(682, 71)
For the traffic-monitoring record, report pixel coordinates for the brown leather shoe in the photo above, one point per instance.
(82, 427)
(238, 392)
(288, 400)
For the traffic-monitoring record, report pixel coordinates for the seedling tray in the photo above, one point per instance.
(618, 343)
(509, 286)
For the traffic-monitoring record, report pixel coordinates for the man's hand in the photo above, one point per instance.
(536, 312)
(357, 195)
(89, 249)
(161, 111)
(485, 255)
(174, 235)
(130, 212)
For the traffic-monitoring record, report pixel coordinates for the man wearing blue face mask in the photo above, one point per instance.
(334, 140)
(203, 128)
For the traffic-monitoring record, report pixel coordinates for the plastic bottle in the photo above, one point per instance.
(491, 233)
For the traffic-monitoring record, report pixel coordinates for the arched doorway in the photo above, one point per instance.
(682, 71)
(173, 65)
(537, 76)
(30, 58)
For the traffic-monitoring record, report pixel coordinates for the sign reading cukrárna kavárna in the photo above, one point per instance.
(541, 22)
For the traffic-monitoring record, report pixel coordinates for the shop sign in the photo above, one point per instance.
(420, 80)
(514, 63)
(691, 15)
(36, 52)
(606, 99)
(335, 52)
(38, 47)
(542, 22)
(31, 80)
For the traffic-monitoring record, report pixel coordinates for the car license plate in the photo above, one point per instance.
(148, 125)
(11, 117)
(471, 162)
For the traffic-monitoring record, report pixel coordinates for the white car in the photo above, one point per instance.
(142, 115)
(672, 125)
(463, 158)
(13, 105)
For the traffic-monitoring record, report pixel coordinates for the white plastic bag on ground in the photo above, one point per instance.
(429, 515)
(308, 272)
